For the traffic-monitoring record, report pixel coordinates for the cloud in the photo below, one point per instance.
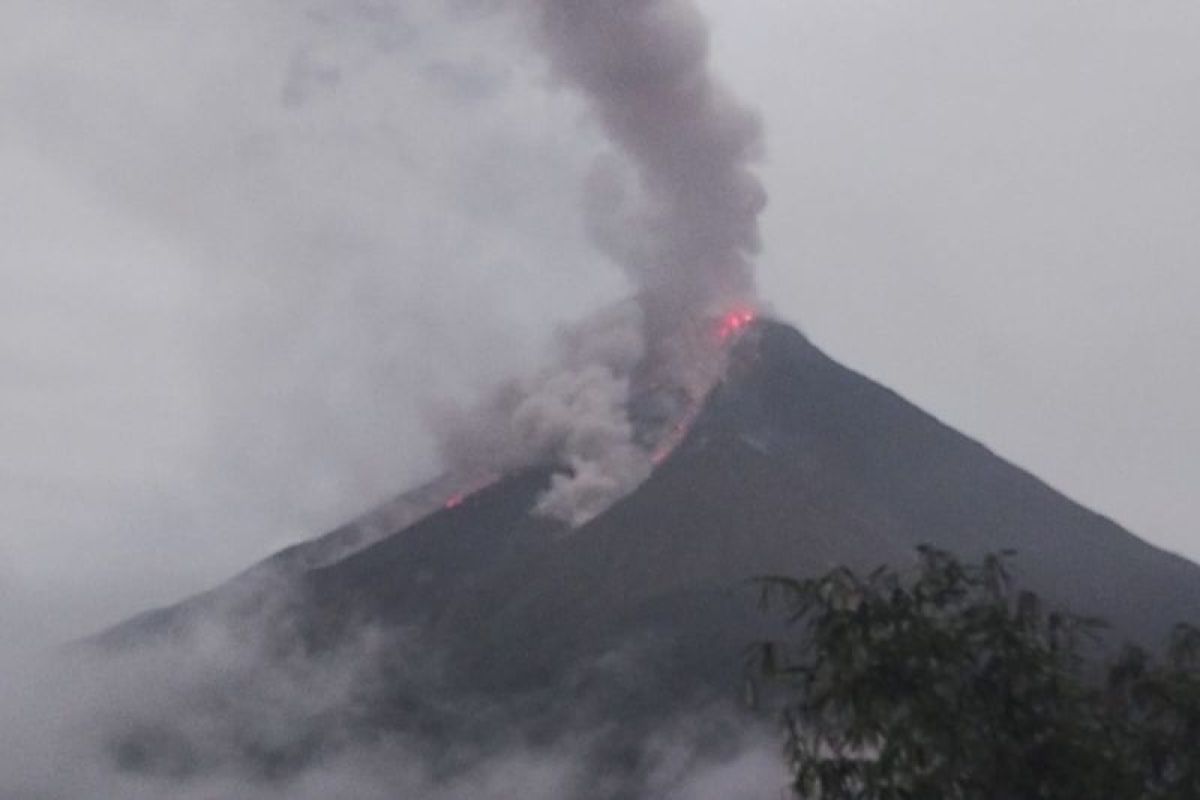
(290, 227)
(232, 704)
(254, 242)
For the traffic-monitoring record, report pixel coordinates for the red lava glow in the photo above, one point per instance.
(669, 442)
(460, 496)
(675, 436)
(733, 323)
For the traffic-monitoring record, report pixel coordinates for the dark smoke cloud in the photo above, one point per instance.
(643, 67)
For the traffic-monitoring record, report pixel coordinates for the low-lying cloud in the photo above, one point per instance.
(231, 705)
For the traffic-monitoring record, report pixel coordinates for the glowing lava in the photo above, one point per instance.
(472, 488)
(726, 328)
(674, 436)
(733, 323)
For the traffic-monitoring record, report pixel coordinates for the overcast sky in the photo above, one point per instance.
(245, 246)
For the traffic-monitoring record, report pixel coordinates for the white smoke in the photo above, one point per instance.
(574, 415)
(583, 414)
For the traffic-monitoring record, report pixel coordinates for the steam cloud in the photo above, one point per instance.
(683, 226)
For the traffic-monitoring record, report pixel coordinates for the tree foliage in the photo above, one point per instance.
(948, 682)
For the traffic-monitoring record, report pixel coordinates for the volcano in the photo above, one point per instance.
(793, 464)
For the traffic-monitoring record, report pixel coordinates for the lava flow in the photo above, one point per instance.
(727, 327)
(472, 488)
(733, 323)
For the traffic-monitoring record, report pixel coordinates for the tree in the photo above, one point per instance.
(946, 682)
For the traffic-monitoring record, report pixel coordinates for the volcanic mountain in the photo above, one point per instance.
(794, 464)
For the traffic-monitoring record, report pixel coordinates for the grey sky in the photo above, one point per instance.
(245, 246)
(994, 208)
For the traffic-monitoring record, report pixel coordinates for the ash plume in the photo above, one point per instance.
(676, 206)
(642, 65)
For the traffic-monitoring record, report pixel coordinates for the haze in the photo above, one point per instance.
(247, 246)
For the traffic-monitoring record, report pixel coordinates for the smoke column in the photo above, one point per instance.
(642, 66)
(676, 206)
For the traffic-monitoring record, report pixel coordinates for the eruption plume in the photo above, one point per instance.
(642, 66)
(676, 206)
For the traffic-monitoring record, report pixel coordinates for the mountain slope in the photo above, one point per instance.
(794, 465)
(798, 465)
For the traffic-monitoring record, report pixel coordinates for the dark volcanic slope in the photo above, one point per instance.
(796, 464)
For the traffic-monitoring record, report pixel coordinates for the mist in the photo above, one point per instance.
(231, 707)
(293, 229)
(269, 263)
(349, 220)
